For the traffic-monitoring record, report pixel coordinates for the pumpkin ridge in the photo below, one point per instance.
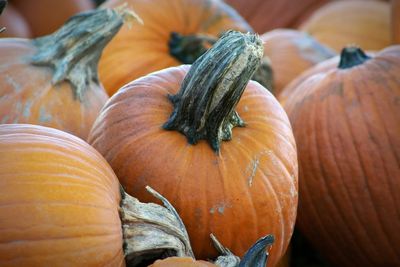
(340, 173)
(389, 185)
(225, 75)
(361, 168)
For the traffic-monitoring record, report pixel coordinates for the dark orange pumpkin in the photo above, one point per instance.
(14, 23)
(61, 205)
(239, 190)
(174, 32)
(46, 16)
(266, 15)
(52, 81)
(395, 19)
(346, 123)
(291, 52)
(341, 23)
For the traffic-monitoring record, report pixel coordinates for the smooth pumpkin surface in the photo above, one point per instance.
(59, 201)
(145, 48)
(294, 85)
(340, 23)
(346, 123)
(247, 190)
(14, 22)
(267, 15)
(395, 19)
(46, 16)
(291, 52)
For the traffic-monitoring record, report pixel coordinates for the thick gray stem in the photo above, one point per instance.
(151, 231)
(204, 108)
(73, 52)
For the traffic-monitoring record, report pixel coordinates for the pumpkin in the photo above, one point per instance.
(266, 15)
(238, 190)
(174, 32)
(52, 81)
(294, 85)
(346, 123)
(291, 52)
(340, 23)
(61, 205)
(14, 22)
(395, 19)
(46, 16)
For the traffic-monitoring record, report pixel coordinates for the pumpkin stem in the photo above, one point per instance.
(265, 75)
(73, 51)
(204, 108)
(257, 255)
(227, 258)
(352, 56)
(151, 231)
(188, 48)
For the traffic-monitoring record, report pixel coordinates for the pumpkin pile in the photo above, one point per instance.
(200, 133)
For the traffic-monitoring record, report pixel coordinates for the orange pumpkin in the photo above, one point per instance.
(61, 205)
(266, 15)
(294, 85)
(174, 32)
(14, 22)
(341, 23)
(239, 190)
(52, 81)
(346, 123)
(46, 16)
(395, 19)
(291, 52)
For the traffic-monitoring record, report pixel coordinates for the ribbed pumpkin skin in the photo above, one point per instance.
(340, 23)
(27, 95)
(291, 52)
(347, 127)
(58, 203)
(247, 191)
(144, 48)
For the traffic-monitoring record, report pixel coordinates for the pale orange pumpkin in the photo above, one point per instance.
(240, 189)
(340, 23)
(346, 122)
(291, 52)
(52, 81)
(173, 32)
(62, 205)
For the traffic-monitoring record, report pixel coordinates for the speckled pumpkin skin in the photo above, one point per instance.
(28, 96)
